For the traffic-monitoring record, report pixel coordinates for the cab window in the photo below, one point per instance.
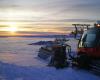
(88, 40)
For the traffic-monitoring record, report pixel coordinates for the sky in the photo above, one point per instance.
(39, 17)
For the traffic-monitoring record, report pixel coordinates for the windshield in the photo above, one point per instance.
(90, 37)
(89, 40)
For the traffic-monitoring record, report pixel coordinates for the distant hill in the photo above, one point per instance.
(41, 43)
(43, 36)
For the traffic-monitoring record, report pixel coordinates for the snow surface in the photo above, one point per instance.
(19, 61)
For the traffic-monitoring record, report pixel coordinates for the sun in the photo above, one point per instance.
(12, 29)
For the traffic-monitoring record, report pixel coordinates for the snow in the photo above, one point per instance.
(19, 61)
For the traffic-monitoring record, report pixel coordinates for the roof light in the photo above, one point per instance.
(98, 25)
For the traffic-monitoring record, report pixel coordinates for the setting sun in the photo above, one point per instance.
(12, 29)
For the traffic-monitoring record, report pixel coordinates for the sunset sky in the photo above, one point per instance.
(36, 17)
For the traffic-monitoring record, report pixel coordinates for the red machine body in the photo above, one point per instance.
(89, 43)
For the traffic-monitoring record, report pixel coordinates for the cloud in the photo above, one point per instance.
(51, 20)
(52, 14)
(56, 8)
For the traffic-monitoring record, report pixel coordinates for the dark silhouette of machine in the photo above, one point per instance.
(59, 57)
(56, 52)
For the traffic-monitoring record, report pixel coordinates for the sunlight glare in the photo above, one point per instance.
(12, 29)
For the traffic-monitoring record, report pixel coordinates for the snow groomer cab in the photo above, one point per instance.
(89, 47)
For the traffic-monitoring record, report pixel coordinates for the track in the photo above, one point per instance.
(95, 67)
